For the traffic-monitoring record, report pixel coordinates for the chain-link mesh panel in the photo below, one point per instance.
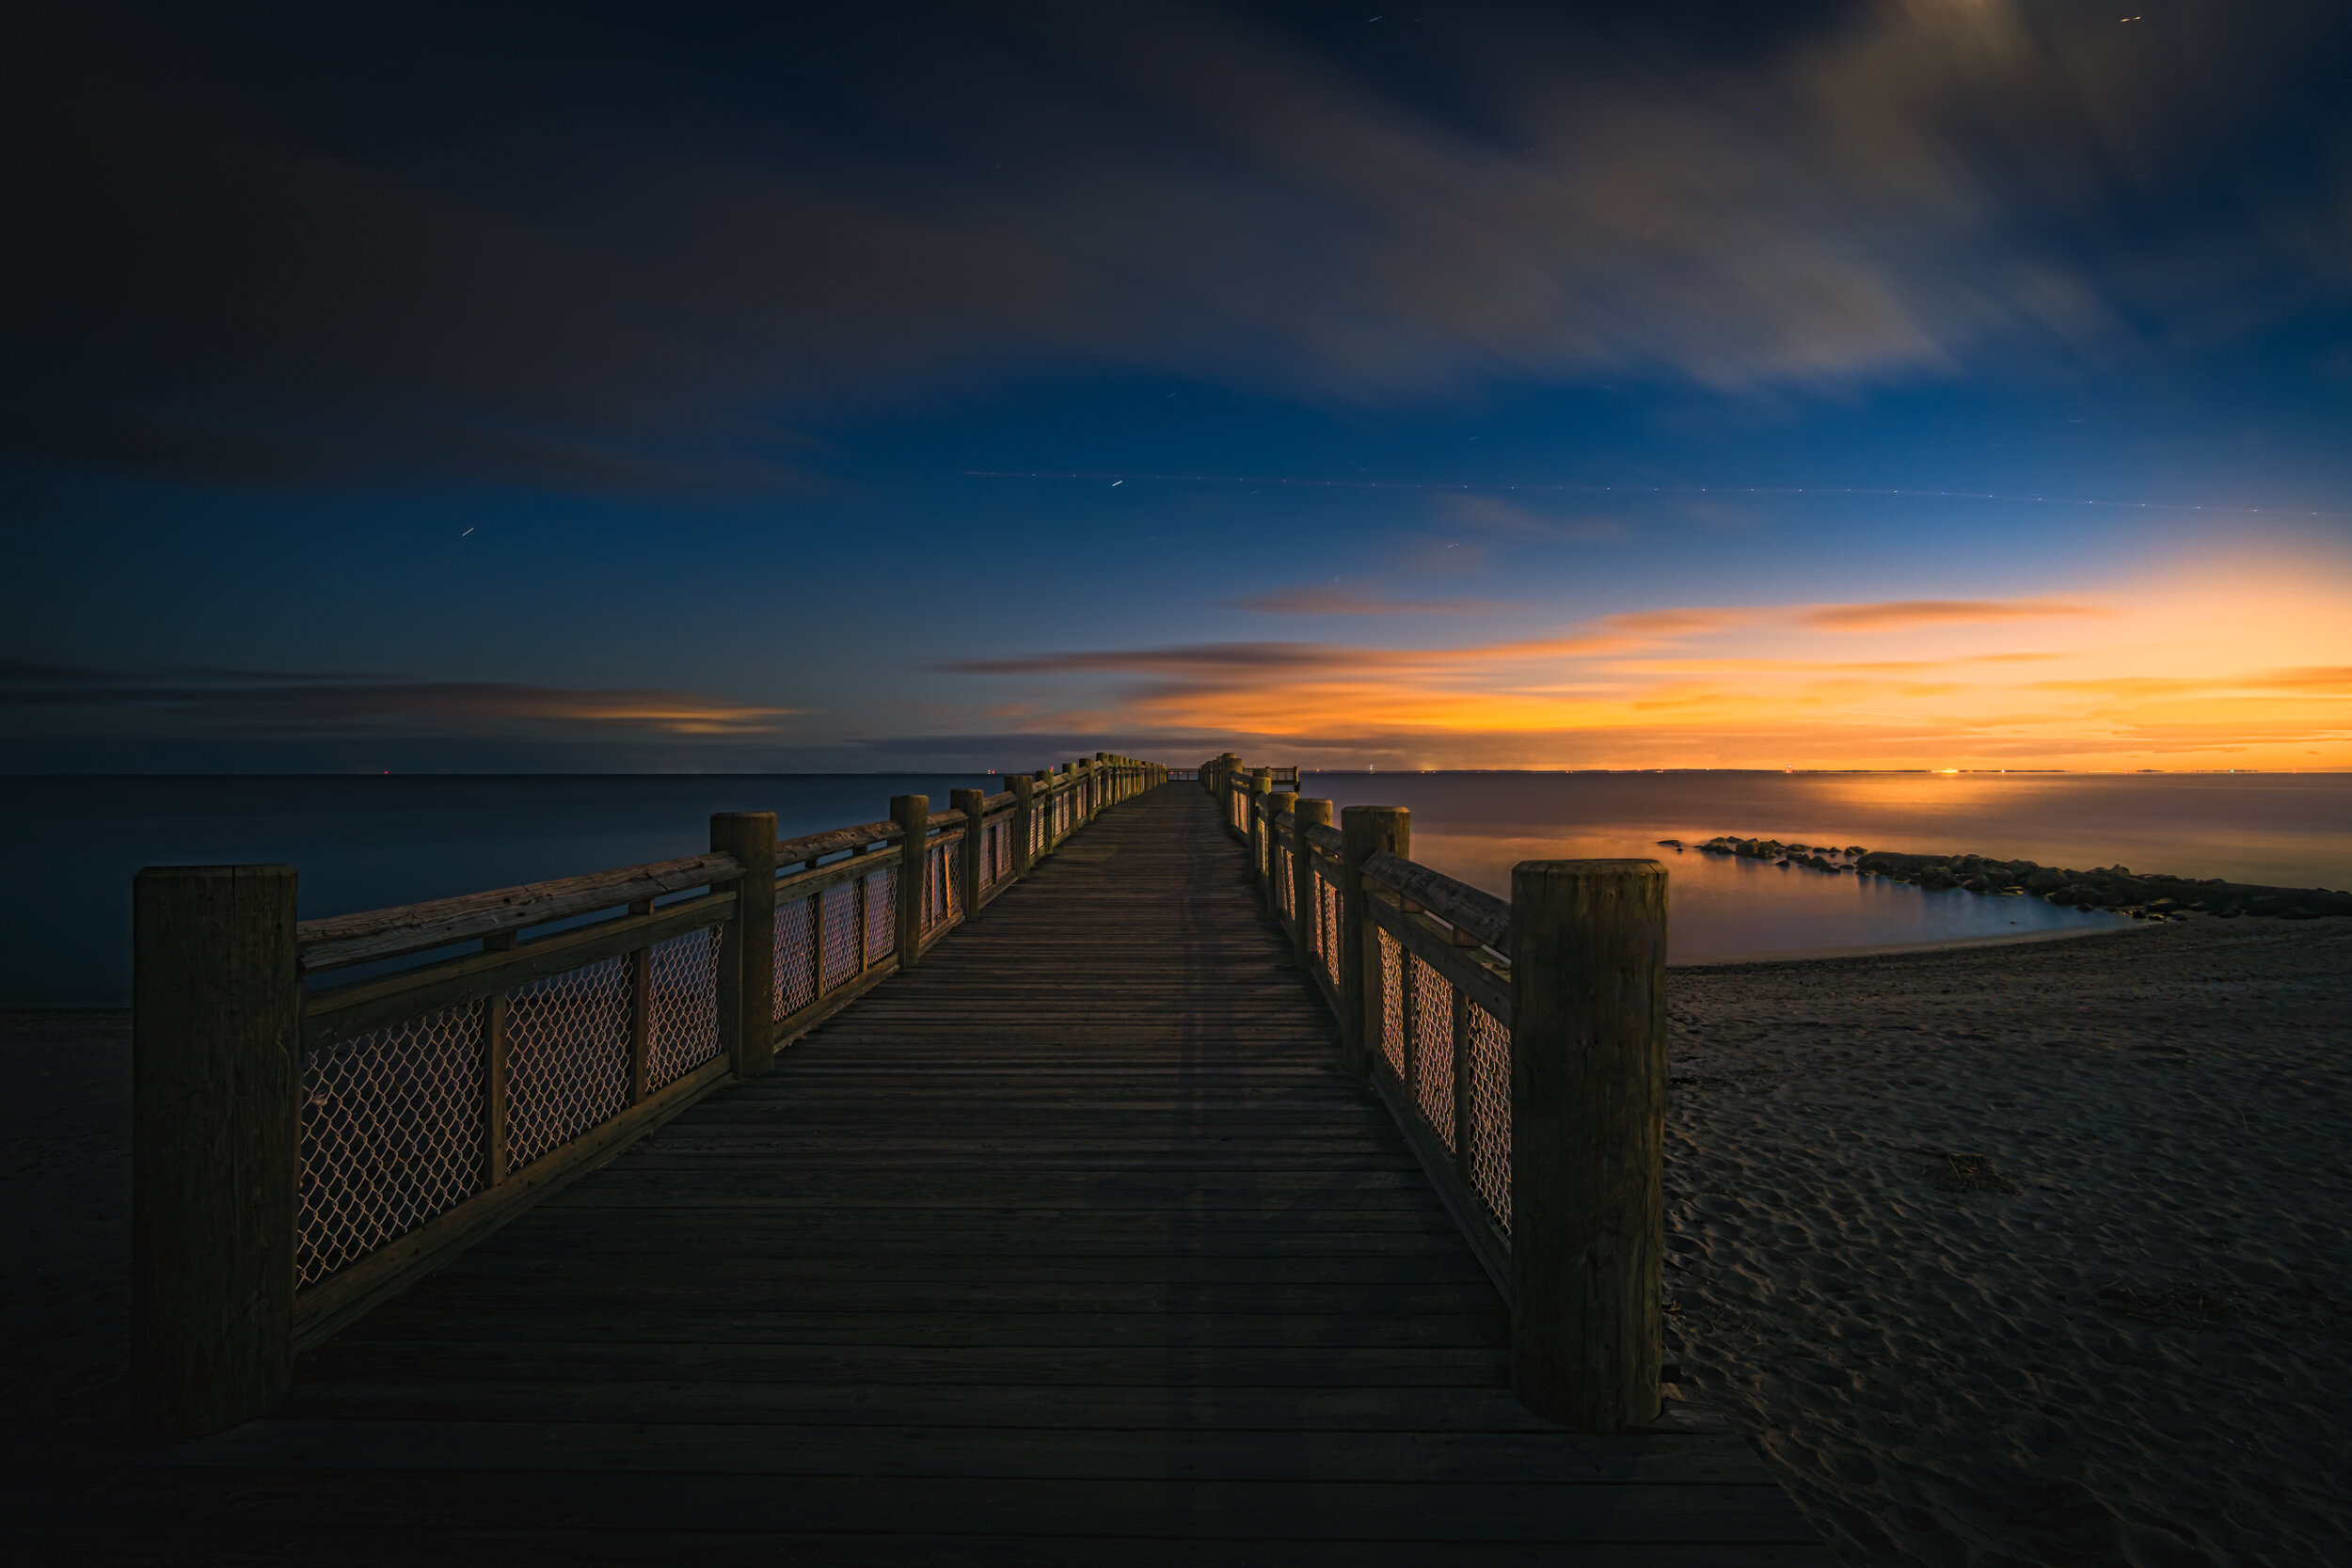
(1036, 831)
(838, 931)
(391, 1135)
(1486, 1056)
(1284, 892)
(1392, 1003)
(881, 914)
(685, 1010)
(566, 1058)
(1432, 1047)
(796, 956)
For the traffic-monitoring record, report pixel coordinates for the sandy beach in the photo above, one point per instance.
(2030, 1253)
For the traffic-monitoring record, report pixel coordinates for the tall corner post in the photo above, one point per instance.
(1306, 898)
(974, 804)
(1024, 816)
(1588, 1105)
(1364, 831)
(216, 1142)
(747, 948)
(912, 813)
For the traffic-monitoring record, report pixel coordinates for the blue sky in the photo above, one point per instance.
(1957, 382)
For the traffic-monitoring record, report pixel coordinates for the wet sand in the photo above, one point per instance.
(2032, 1254)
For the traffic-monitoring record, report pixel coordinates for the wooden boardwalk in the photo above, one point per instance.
(1071, 1245)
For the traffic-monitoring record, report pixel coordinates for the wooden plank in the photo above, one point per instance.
(361, 1499)
(1009, 1440)
(814, 846)
(338, 942)
(1072, 1242)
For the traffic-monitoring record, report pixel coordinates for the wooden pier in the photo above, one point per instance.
(1074, 1243)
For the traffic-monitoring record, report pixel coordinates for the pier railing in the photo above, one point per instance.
(1520, 1047)
(324, 1110)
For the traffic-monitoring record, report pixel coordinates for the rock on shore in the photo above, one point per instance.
(2151, 896)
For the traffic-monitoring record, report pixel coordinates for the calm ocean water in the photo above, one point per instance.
(363, 842)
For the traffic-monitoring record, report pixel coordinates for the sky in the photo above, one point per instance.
(693, 387)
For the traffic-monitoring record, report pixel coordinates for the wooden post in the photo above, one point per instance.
(972, 802)
(1024, 805)
(1588, 1105)
(216, 1141)
(1364, 831)
(1306, 891)
(641, 1013)
(912, 813)
(1278, 805)
(747, 945)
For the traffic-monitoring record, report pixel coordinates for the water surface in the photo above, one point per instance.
(2294, 830)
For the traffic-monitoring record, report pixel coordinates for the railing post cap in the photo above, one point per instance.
(1549, 871)
(212, 872)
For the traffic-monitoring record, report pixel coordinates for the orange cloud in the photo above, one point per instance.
(2205, 669)
(1905, 614)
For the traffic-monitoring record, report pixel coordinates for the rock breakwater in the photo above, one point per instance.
(2144, 896)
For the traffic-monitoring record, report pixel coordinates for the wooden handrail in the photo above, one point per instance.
(834, 840)
(340, 940)
(1458, 904)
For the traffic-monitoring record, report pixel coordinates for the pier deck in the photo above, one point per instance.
(1071, 1244)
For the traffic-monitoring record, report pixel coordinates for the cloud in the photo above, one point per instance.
(333, 705)
(1907, 614)
(1345, 601)
(501, 271)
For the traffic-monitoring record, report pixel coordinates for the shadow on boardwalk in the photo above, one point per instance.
(1070, 1246)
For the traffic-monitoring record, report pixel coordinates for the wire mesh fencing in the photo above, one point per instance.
(393, 1136)
(567, 1065)
(1418, 1009)
(682, 1014)
(1430, 1005)
(1486, 1064)
(799, 975)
